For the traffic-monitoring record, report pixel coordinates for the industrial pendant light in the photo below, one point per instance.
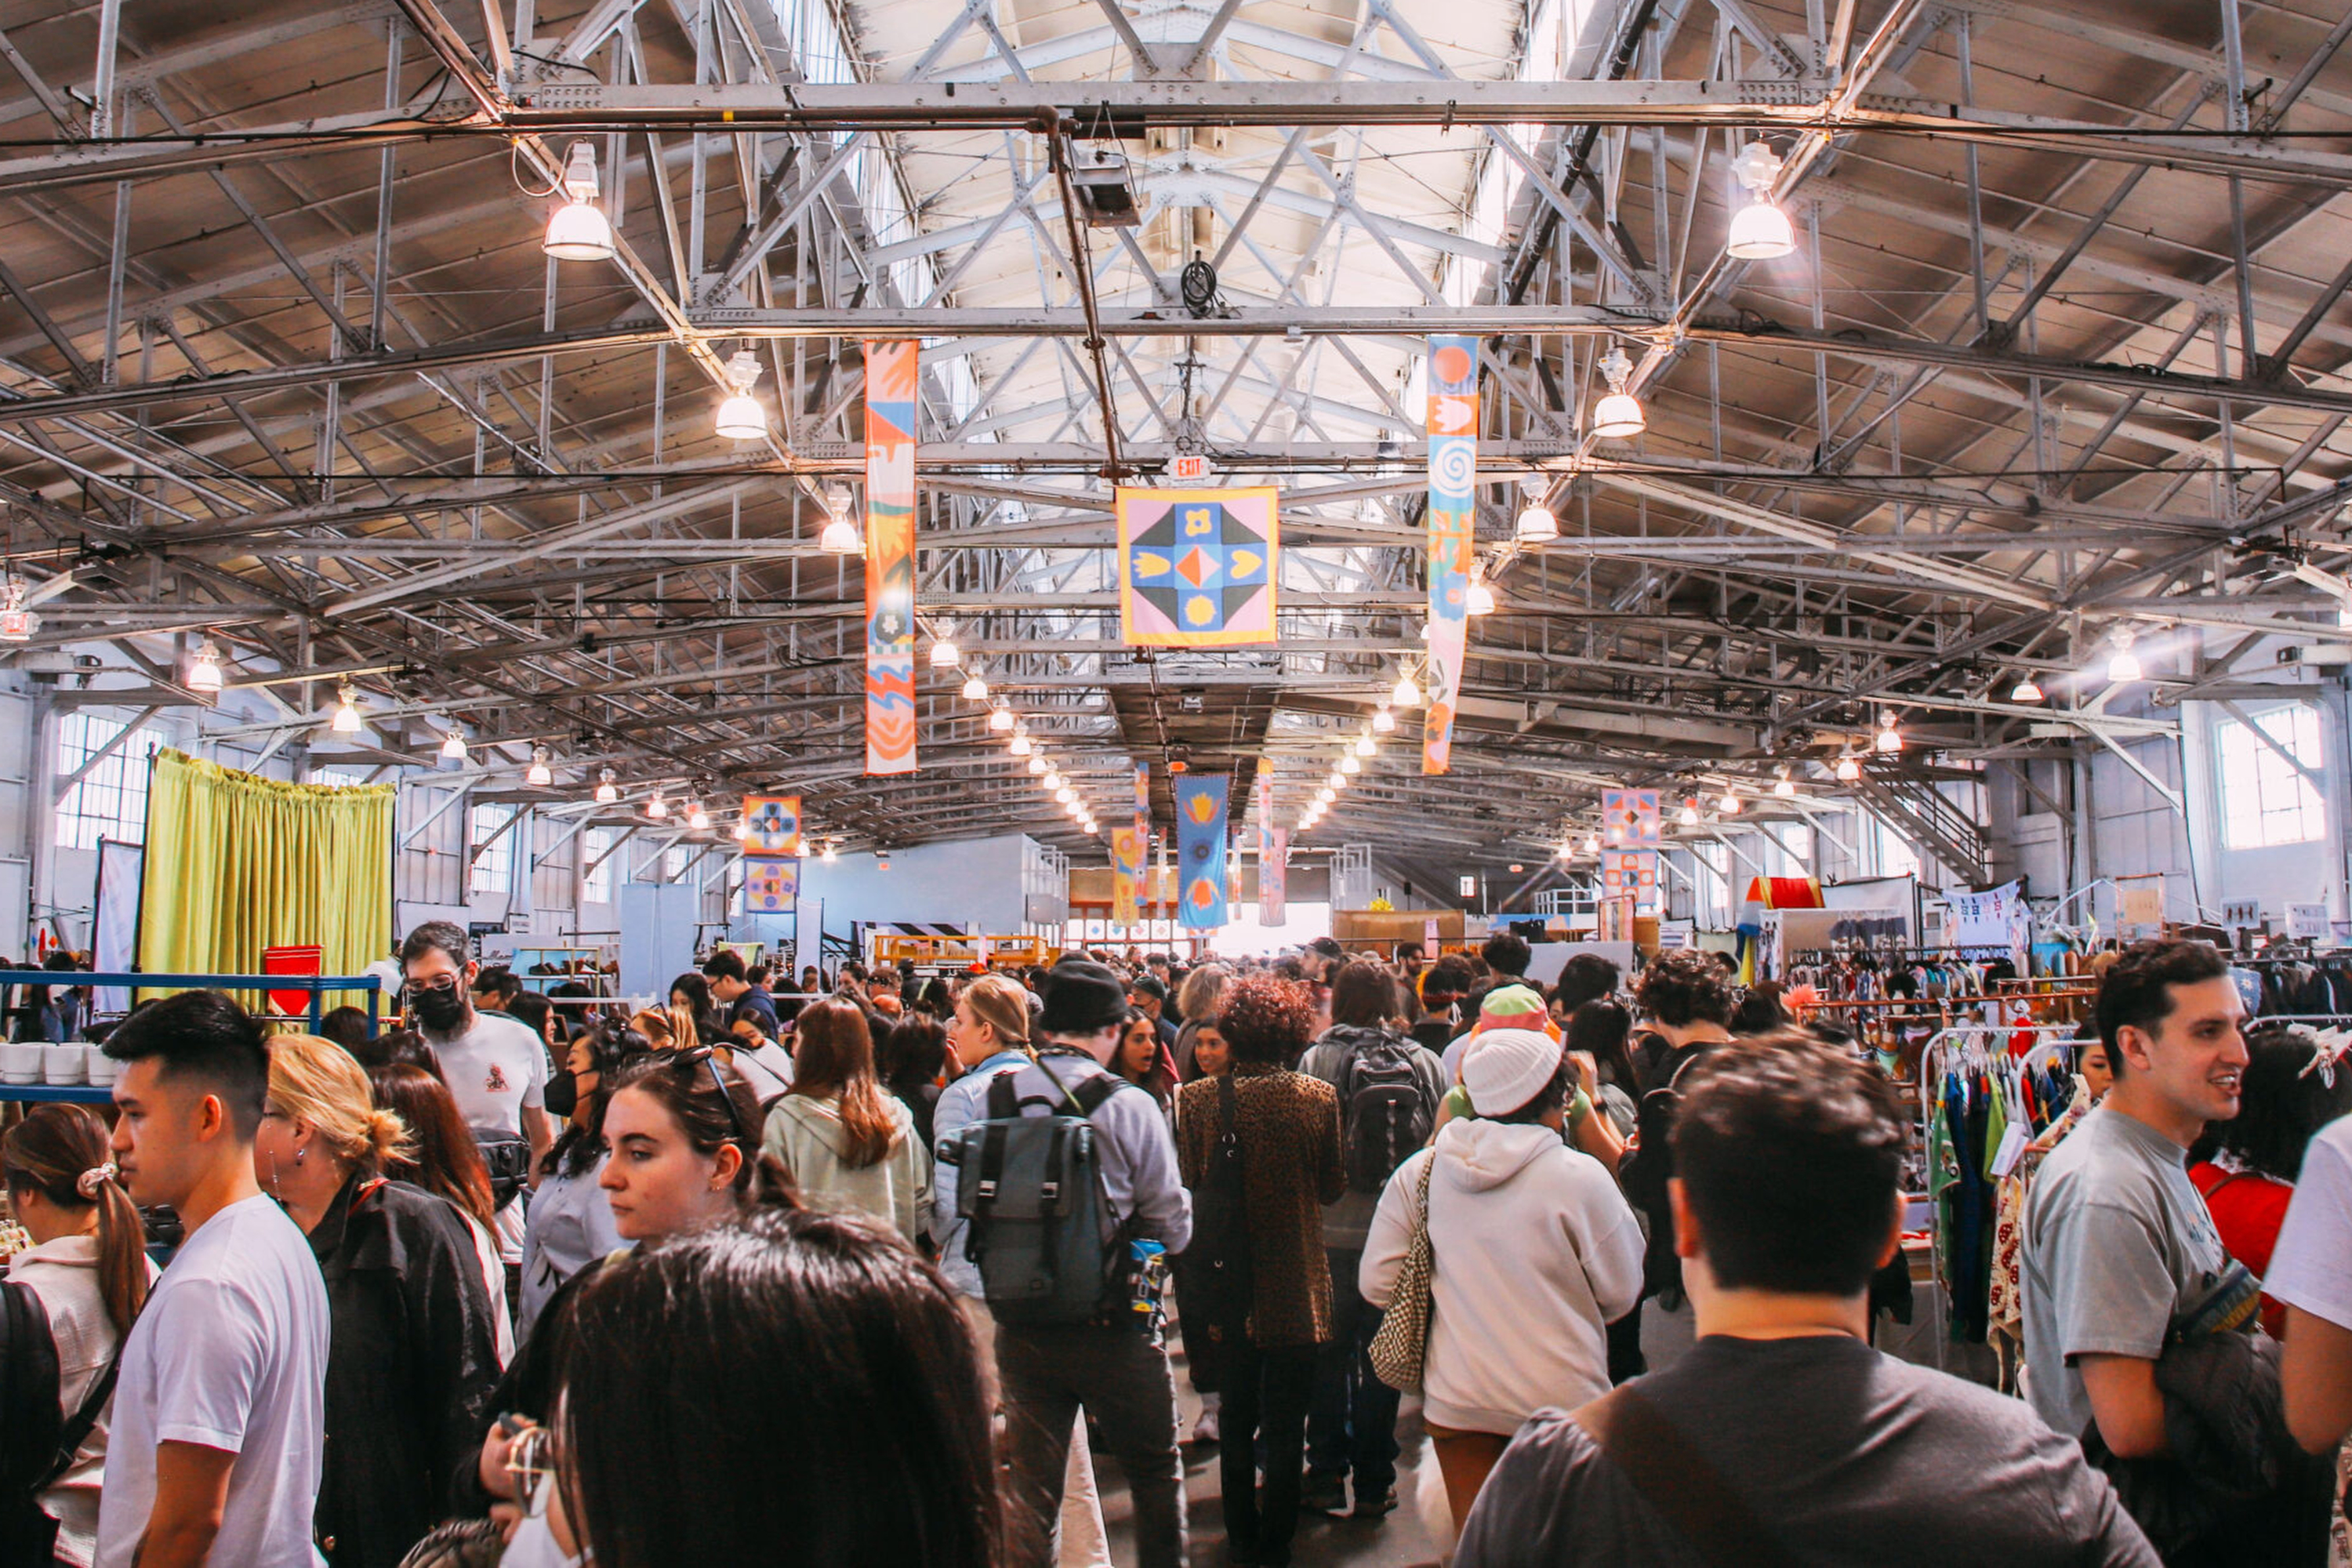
(1592, 844)
(945, 655)
(742, 831)
(1065, 794)
(1890, 738)
(1729, 804)
(1849, 768)
(840, 536)
(205, 674)
(347, 711)
(1366, 746)
(832, 851)
(1348, 764)
(1000, 719)
(1783, 788)
(1019, 746)
(656, 808)
(2122, 664)
(2026, 690)
(1761, 230)
(1480, 600)
(1335, 781)
(579, 231)
(697, 819)
(1051, 779)
(17, 624)
(539, 775)
(975, 690)
(1618, 416)
(607, 791)
(1688, 816)
(1536, 525)
(1405, 694)
(1383, 722)
(453, 745)
(741, 417)
(1037, 766)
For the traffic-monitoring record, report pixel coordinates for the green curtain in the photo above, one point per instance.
(237, 863)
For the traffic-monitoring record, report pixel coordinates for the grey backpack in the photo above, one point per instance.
(1032, 1197)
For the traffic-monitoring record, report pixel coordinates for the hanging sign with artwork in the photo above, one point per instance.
(1197, 568)
(890, 557)
(1452, 516)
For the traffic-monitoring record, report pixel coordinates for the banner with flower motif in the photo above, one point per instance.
(772, 826)
(1272, 849)
(1197, 568)
(1453, 379)
(1201, 805)
(1126, 874)
(889, 557)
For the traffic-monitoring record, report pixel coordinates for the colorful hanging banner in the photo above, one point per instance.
(1272, 845)
(1197, 568)
(1126, 874)
(1629, 819)
(771, 885)
(772, 826)
(1453, 380)
(1630, 873)
(1201, 801)
(889, 557)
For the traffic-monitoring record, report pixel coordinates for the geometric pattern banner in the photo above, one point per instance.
(1201, 850)
(1272, 845)
(772, 826)
(890, 557)
(1629, 819)
(1630, 873)
(1197, 568)
(1453, 379)
(771, 885)
(1126, 874)
(1143, 828)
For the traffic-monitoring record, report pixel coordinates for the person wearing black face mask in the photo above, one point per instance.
(497, 1070)
(571, 1216)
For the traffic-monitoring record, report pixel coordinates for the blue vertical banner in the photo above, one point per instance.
(1200, 805)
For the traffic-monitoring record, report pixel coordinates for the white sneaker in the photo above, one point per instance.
(1204, 1431)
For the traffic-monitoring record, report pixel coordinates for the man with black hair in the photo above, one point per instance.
(1443, 986)
(1150, 998)
(745, 999)
(1587, 977)
(1782, 1435)
(218, 1431)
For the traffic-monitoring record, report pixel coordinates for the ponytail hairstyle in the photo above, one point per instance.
(832, 1057)
(446, 1159)
(668, 1028)
(59, 1151)
(1002, 1004)
(713, 1106)
(316, 1080)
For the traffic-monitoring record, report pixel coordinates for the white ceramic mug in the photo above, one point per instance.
(103, 1068)
(65, 1064)
(21, 1061)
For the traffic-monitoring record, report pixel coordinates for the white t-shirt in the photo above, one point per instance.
(2311, 1266)
(494, 1068)
(230, 1354)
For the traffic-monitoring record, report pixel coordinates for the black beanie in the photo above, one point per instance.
(1082, 997)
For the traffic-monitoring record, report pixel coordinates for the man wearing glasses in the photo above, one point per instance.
(496, 1068)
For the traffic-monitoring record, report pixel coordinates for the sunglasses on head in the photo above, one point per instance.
(687, 1061)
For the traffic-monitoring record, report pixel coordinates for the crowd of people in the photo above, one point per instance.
(869, 1271)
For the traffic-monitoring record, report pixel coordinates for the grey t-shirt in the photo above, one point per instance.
(2116, 1244)
(1845, 1455)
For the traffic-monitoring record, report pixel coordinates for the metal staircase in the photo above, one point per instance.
(1932, 826)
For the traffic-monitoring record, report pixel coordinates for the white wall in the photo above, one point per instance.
(973, 882)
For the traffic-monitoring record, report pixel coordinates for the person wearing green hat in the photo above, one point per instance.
(1521, 1008)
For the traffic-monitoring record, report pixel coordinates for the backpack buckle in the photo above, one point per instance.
(987, 1189)
(1049, 1191)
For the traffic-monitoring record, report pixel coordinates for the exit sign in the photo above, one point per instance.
(1189, 468)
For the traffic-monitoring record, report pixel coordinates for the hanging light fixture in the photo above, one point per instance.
(1618, 416)
(17, 624)
(1019, 746)
(741, 417)
(1592, 844)
(1480, 600)
(1000, 719)
(656, 808)
(1366, 746)
(1890, 738)
(1383, 722)
(1350, 763)
(1335, 780)
(579, 231)
(840, 536)
(1783, 787)
(1326, 795)
(945, 655)
(975, 690)
(205, 674)
(347, 711)
(1037, 764)
(453, 745)
(2027, 689)
(539, 775)
(2122, 664)
(1761, 230)
(832, 851)
(1064, 796)
(1051, 780)
(1405, 694)
(1729, 804)
(1849, 768)
(697, 819)
(607, 791)
(743, 831)
(1689, 814)
(1536, 525)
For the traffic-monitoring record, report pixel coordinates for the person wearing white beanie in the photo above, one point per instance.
(1533, 1253)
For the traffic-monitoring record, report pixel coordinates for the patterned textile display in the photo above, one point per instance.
(1273, 849)
(773, 825)
(1629, 819)
(1197, 568)
(889, 557)
(1126, 874)
(1201, 801)
(1630, 873)
(1453, 529)
(771, 885)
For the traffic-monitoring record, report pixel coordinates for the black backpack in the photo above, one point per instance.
(37, 1444)
(1643, 1176)
(1032, 1193)
(1384, 1114)
(1216, 1268)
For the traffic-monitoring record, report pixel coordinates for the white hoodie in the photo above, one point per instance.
(1536, 1253)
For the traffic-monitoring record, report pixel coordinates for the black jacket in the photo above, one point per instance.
(410, 1365)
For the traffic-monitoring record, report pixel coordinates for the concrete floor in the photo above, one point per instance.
(1399, 1540)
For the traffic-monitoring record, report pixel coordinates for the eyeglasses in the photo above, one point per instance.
(687, 1061)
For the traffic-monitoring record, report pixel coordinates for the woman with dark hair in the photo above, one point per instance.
(87, 1266)
(1286, 1125)
(681, 1127)
(444, 1160)
(1599, 1030)
(1759, 1011)
(913, 1055)
(1196, 1004)
(693, 1013)
(2246, 1167)
(1142, 1060)
(570, 1221)
(847, 1143)
(411, 1353)
(841, 1373)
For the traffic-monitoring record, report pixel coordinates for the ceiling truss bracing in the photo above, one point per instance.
(2061, 352)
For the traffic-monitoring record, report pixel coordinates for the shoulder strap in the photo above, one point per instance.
(77, 1431)
(1228, 1100)
(1678, 1483)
